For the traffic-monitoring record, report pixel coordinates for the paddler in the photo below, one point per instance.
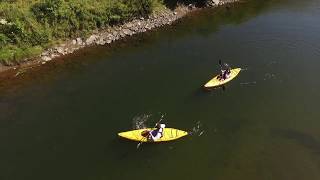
(157, 133)
(225, 73)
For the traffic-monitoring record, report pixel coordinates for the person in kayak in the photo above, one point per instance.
(225, 73)
(157, 133)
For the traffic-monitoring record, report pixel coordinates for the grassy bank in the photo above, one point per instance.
(29, 26)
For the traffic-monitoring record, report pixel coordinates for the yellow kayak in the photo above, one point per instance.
(215, 82)
(169, 134)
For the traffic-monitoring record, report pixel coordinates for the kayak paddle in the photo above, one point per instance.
(138, 145)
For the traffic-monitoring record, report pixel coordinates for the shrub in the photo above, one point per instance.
(34, 23)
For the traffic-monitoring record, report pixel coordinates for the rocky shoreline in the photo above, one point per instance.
(111, 34)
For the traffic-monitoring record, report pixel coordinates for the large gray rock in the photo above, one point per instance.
(122, 34)
(79, 41)
(91, 39)
(115, 33)
(148, 26)
(60, 50)
(101, 42)
(45, 53)
(127, 32)
(46, 58)
(129, 25)
(213, 2)
(109, 41)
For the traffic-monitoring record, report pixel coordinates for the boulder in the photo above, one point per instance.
(115, 33)
(127, 32)
(79, 41)
(60, 50)
(122, 34)
(148, 26)
(213, 2)
(101, 41)
(129, 25)
(46, 58)
(45, 53)
(91, 39)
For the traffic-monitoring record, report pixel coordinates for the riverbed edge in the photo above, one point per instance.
(106, 36)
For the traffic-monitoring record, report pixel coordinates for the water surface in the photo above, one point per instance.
(60, 121)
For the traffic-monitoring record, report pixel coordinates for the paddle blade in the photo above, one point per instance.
(138, 145)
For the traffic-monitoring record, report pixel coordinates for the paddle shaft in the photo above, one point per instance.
(148, 135)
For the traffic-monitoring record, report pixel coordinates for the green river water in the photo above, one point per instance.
(60, 121)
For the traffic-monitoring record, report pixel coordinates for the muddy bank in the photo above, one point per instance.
(109, 35)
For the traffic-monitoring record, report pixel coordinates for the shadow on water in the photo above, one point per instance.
(304, 139)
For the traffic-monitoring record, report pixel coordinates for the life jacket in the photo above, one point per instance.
(156, 134)
(226, 74)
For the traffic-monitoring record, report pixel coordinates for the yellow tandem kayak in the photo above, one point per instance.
(215, 82)
(169, 134)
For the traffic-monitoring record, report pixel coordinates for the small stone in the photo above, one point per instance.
(74, 42)
(46, 58)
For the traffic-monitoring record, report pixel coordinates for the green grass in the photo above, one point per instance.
(28, 26)
(10, 55)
